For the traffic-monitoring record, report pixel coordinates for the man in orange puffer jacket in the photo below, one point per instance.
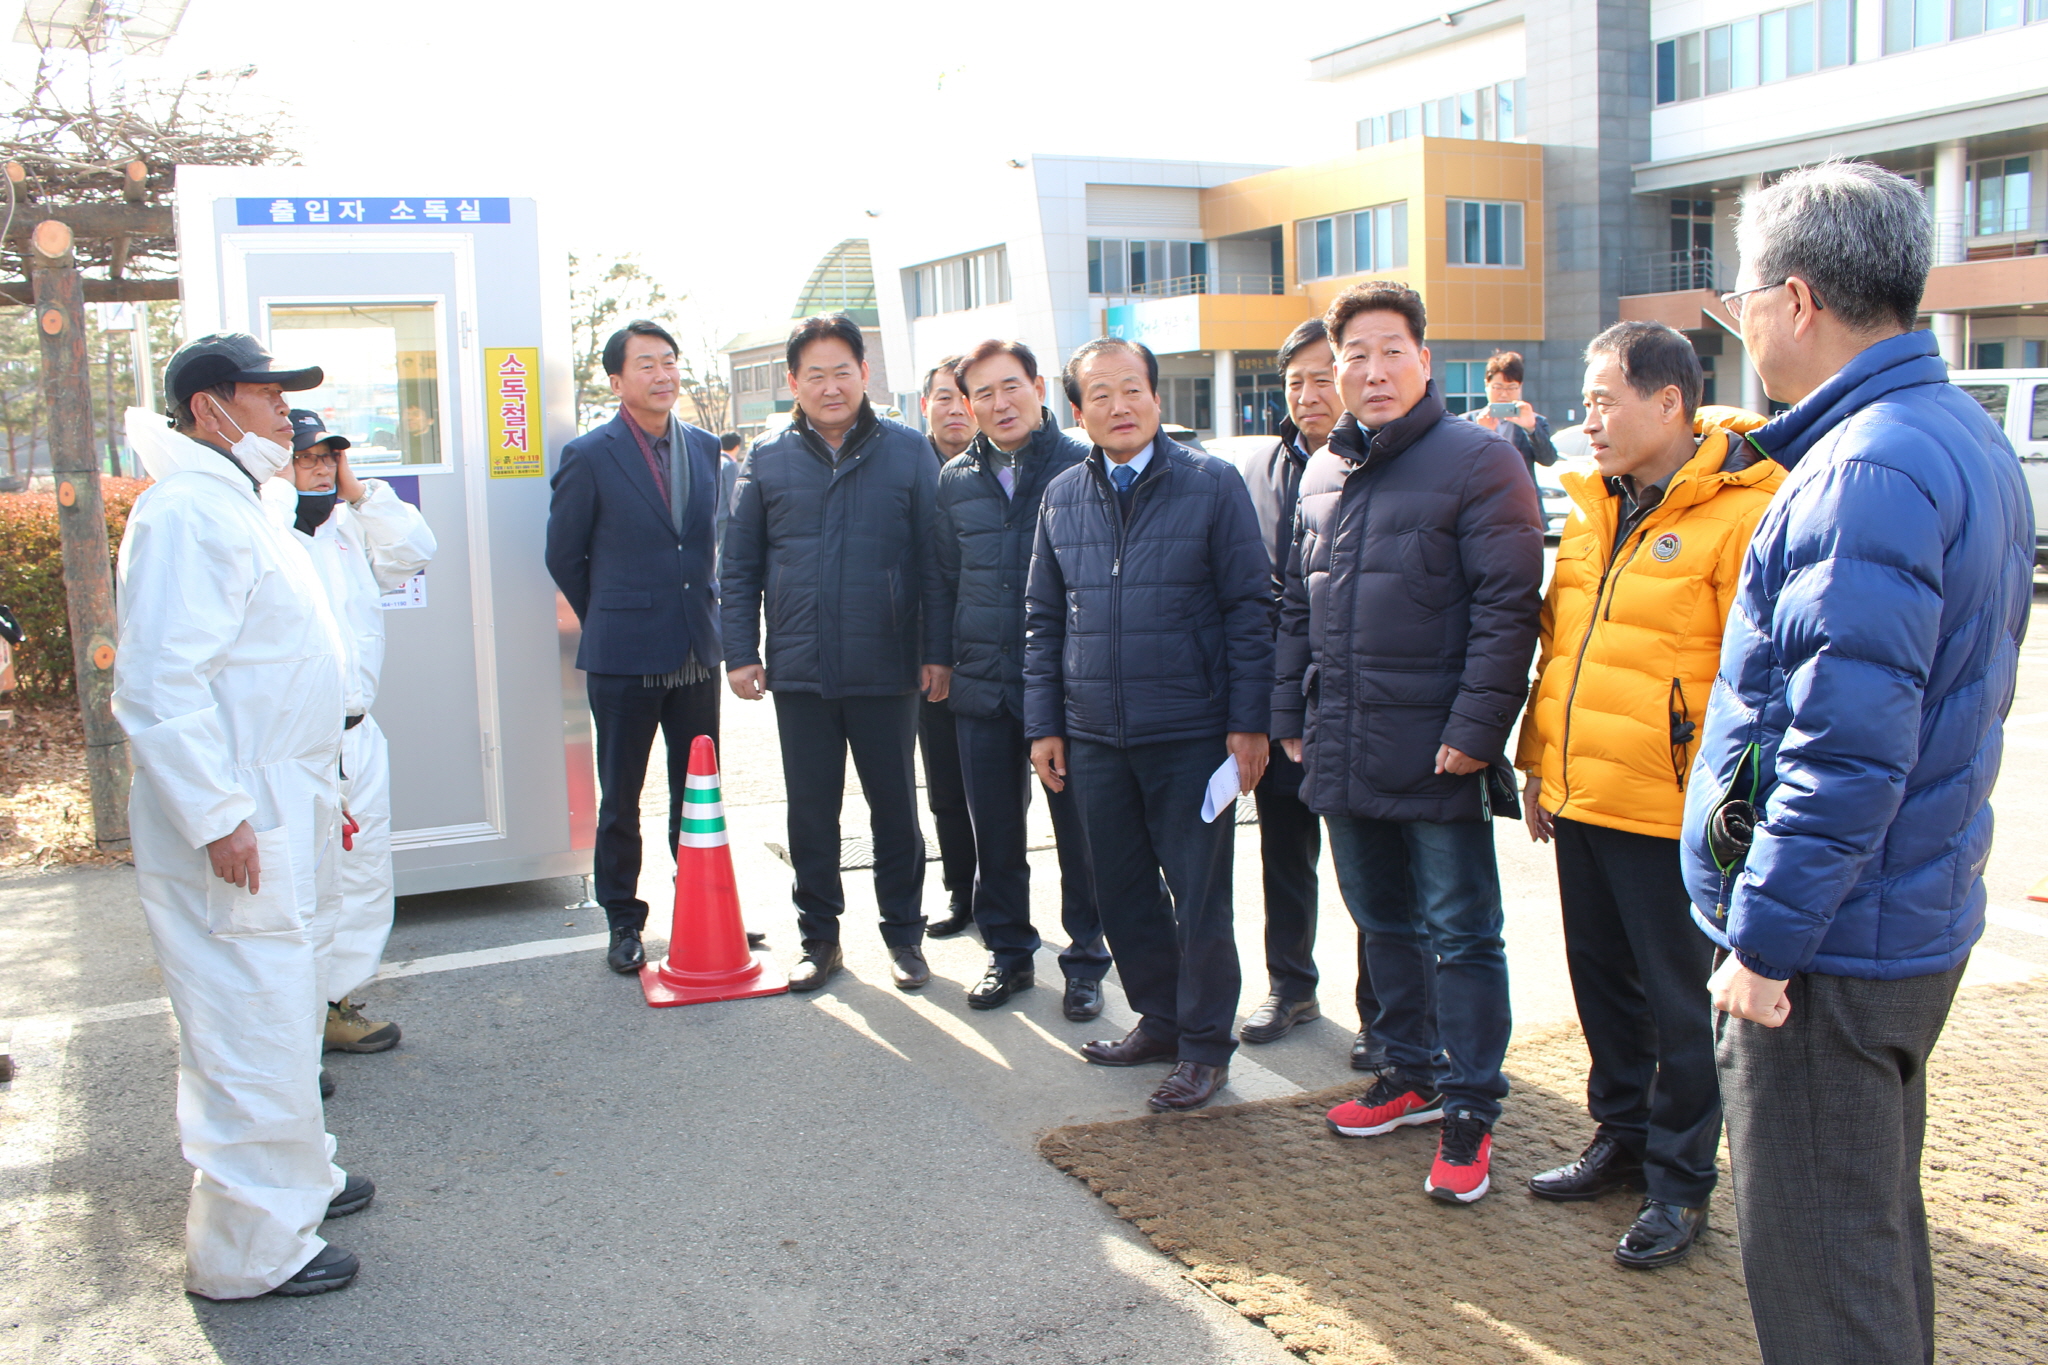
(1646, 569)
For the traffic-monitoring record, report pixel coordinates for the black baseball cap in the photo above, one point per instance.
(309, 431)
(231, 358)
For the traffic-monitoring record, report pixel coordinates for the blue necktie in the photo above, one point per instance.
(1123, 476)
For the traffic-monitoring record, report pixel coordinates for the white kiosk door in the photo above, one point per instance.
(456, 394)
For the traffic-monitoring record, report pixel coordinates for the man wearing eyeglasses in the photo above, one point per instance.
(365, 541)
(1837, 819)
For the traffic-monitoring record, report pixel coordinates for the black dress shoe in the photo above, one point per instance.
(1661, 1234)
(959, 916)
(1273, 1020)
(1604, 1165)
(908, 969)
(1192, 1085)
(755, 940)
(998, 985)
(816, 966)
(326, 1085)
(1083, 1000)
(1367, 1052)
(1133, 1049)
(330, 1268)
(356, 1193)
(626, 954)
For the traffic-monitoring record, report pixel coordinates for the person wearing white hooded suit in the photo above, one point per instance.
(229, 683)
(364, 541)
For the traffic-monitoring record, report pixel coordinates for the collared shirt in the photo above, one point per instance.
(1637, 502)
(1136, 464)
(672, 477)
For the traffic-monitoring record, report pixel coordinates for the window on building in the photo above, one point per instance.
(1492, 113)
(1692, 244)
(1187, 402)
(2002, 192)
(1773, 46)
(1464, 385)
(1481, 233)
(975, 280)
(1742, 54)
(1972, 17)
(1155, 267)
(1914, 23)
(1800, 48)
(382, 363)
(1352, 243)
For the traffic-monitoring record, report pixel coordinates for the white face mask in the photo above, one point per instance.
(261, 456)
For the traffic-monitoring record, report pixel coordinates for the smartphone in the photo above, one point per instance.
(1503, 410)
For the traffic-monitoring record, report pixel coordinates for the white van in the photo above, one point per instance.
(2018, 401)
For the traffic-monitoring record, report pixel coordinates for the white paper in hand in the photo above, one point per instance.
(1222, 793)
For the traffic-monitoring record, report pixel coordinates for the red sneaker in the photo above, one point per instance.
(1393, 1102)
(1464, 1151)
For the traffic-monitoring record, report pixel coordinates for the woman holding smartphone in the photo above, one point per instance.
(1506, 413)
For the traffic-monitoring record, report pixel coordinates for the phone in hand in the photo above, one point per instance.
(1503, 411)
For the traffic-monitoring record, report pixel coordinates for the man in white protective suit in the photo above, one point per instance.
(365, 541)
(230, 687)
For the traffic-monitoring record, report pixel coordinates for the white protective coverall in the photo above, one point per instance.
(229, 684)
(361, 552)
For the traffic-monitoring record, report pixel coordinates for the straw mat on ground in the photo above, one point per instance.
(1332, 1245)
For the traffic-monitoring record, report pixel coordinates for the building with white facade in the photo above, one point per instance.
(1536, 169)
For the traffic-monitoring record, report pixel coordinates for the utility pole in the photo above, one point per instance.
(81, 522)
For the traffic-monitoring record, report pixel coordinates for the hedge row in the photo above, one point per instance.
(32, 582)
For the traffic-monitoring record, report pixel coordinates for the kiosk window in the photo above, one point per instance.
(383, 387)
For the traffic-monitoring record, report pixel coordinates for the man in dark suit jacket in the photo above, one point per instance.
(633, 544)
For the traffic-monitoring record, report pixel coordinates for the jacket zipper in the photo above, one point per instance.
(1604, 603)
(1116, 592)
(828, 663)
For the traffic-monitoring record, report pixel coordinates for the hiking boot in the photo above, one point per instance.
(356, 1193)
(330, 1268)
(1393, 1102)
(1464, 1152)
(348, 1031)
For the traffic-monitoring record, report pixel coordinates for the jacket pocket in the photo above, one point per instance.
(273, 908)
(621, 599)
(1400, 750)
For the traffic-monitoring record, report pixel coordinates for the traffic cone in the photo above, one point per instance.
(707, 957)
(2040, 891)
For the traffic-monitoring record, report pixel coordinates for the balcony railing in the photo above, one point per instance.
(1666, 272)
(1210, 284)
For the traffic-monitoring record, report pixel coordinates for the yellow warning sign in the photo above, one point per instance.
(512, 389)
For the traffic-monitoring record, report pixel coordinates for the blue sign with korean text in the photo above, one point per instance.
(300, 212)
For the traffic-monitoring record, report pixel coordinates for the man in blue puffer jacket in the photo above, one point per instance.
(1148, 634)
(1857, 723)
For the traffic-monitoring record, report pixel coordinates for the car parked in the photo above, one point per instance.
(2018, 401)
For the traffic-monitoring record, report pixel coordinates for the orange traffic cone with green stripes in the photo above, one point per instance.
(708, 958)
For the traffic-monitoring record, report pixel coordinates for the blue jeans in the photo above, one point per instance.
(1162, 883)
(1426, 898)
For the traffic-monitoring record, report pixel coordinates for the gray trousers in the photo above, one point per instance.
(1826, 1115)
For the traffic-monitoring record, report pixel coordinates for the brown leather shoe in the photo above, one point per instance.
(1192, 1085)
(1133, 1049)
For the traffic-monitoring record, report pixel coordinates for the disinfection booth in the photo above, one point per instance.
(441, 322)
